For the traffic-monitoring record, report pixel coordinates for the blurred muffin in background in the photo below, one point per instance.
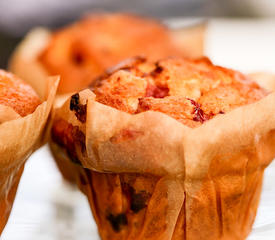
(84, 50)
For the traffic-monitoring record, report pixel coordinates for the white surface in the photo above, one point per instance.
(47, 209)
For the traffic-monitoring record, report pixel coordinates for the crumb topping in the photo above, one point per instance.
(191, 91)
(17, 94)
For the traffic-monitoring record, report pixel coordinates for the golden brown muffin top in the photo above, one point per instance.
(191, 91)
(16, 94)
(84, 50)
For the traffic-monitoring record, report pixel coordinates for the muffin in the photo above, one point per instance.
(23, 116)
(84, 50)
(174, 149)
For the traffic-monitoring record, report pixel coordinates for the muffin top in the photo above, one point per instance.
(190, 91)
(16, 94)
(84, 50)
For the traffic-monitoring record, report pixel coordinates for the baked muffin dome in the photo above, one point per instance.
(16, 94)
(191, 91)
(149, 176)
(84, 50)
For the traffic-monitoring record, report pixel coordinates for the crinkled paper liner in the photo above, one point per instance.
(163, 180)
(24, 63)
(19, 137)
(265, 80)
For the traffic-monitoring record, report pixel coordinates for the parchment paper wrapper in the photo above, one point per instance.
(147, 176)
(265, 80)
(25, 65)
(19, 137)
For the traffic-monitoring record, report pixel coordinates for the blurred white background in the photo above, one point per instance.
(30, 13)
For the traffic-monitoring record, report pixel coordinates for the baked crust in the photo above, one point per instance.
(16, 94)
(191, 91)
(148, 176)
